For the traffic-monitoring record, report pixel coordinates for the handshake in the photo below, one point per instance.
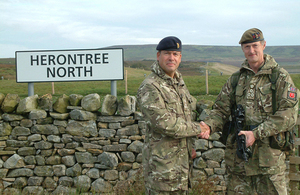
(205, 130)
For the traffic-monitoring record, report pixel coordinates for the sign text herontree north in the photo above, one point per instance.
(69, 65)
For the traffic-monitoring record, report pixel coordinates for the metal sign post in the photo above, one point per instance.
(30, 89)
(113, 88)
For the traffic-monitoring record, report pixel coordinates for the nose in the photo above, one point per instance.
(171, 56)
(251, 49)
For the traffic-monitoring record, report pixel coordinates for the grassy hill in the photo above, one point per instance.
(138, 59)
(287, 56)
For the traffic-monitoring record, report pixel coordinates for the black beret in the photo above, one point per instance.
(170, 43)
(252, 35)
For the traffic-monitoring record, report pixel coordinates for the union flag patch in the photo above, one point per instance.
(292, 89)
(292, 95)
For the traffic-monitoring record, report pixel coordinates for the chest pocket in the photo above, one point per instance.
(265, 97)
(239, 94)
(172, 101)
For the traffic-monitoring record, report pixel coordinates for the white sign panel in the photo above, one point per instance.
(69, 65)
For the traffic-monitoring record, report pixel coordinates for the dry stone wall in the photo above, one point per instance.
(79, 143)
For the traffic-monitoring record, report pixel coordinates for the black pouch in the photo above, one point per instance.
(284, 141)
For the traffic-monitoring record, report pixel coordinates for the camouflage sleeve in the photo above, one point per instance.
(287, 109)
(159, 113)
(221, 109)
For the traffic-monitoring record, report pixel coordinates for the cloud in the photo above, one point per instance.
(63, 24)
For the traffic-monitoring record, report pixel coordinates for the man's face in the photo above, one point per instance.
(254, 52)
(169, 61)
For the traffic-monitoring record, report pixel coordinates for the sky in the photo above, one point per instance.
(27, 25)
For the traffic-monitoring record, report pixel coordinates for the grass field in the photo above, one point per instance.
(193, 73)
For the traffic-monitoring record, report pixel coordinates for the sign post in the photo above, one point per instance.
(70, 65)
(30, 89)
(113, 88)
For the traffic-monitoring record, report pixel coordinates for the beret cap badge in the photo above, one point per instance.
(256, 36)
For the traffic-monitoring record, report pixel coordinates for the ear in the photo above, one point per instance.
(157, 55)
(264, 45)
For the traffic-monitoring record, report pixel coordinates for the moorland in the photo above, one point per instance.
(219, 61)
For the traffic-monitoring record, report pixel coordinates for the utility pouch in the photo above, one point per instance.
(284, 141)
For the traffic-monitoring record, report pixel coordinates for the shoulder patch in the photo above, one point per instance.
(292, 95)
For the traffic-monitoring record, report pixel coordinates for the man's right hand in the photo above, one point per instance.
(205, 130)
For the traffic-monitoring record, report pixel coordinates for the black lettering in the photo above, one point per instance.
(90, 71)
(64, 72)
(64, 59)
(36, 59)
(51, 58)
(89, 57)
(71, 71)
(43, 60)
(97, 57)
(78, 70)
(80, 55)
(104, 58)
(51, 72)
(72, 59)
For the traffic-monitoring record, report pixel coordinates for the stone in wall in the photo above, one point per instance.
(61, 104)
(82, 115)
(204, 114)
(59, 116)
(109, 105)
(48, 129)
(101, 186)
(38, 114)
(108, 159)
(5, 129)
(91, 102)
(2, 96)
(12, 117)
(75, 99)
(45, 102)
(203, 104)
(15, 161)
(127, 105)
(10, 103)
(82, 128)
(82, 183)
(27, 104)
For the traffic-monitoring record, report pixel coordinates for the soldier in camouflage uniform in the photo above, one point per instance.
(165, 102)
(264, 173)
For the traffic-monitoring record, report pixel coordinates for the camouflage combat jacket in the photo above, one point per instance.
(166, 105)
(254, 93)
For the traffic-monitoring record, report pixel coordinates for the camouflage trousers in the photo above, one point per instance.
(155, 192)
(258, 184)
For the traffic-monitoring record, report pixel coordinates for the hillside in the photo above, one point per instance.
(196, 57)
(287, 56)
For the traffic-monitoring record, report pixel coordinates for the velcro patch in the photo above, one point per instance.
(292, 95)
(292, 89)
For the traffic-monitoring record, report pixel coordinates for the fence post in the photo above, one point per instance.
(294, 174)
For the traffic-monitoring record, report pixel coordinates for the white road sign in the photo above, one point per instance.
(69, 65)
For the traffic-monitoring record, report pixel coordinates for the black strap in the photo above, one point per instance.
(273, 78)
